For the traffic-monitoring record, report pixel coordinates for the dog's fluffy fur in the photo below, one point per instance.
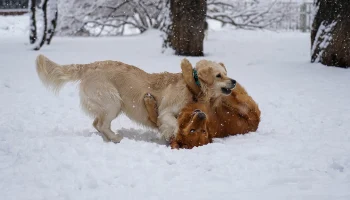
(235, 114)
(108, 88)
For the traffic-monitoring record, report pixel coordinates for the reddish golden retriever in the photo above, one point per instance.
(198, 122)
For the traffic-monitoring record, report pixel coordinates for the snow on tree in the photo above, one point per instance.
(42, 37)
(32, 23)
(71, 16)
(51, 20)
(330, 41)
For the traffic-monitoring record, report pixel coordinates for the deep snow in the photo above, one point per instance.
(49, 150)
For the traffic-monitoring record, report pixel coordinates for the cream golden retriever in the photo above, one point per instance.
(108, 88)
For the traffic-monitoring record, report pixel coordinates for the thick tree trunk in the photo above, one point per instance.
(330, 34)
(52, 20)
(32, 34)
(187, 29)
(43, 38)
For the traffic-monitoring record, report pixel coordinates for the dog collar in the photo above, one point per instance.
(195, 76)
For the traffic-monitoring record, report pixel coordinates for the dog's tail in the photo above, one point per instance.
(54, 76)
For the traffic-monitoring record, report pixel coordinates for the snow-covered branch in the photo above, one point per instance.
(246, 14)
(110, 17)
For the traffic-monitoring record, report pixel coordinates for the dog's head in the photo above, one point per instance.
(193, 131)
(214, 76)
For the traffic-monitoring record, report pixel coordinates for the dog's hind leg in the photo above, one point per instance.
(102, 123)
(105, 120)
(101, 100)
(97, 126)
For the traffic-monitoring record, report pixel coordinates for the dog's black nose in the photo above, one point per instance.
(233, 82)
(197, 110)
(201, 115)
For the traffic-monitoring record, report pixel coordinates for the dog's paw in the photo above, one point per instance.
(148, 95)
(167, 129)
(169, 136)
(116, 138)
(148, 98)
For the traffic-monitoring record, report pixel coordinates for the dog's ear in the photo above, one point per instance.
(206, 75)
(222, 64)
(187, 73)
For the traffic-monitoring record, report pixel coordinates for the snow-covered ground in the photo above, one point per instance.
(49, 150)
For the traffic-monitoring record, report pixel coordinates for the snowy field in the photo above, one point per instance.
(49, 149)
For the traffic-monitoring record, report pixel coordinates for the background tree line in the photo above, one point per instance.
(183, 22)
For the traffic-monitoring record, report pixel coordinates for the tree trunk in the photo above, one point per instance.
(330, 34)
(43, 38)
(52, 20)
(187, 29)
(32, 34)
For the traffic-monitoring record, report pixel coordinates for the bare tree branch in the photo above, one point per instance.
(243, 14)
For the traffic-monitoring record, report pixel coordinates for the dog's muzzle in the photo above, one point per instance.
(233, 83)
(200, 115)
(227, 90)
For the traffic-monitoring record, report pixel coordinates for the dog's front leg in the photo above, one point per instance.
(168, 125)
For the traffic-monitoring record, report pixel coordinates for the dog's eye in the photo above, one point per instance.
(218, 76)
(203, 131)
(192, 131)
